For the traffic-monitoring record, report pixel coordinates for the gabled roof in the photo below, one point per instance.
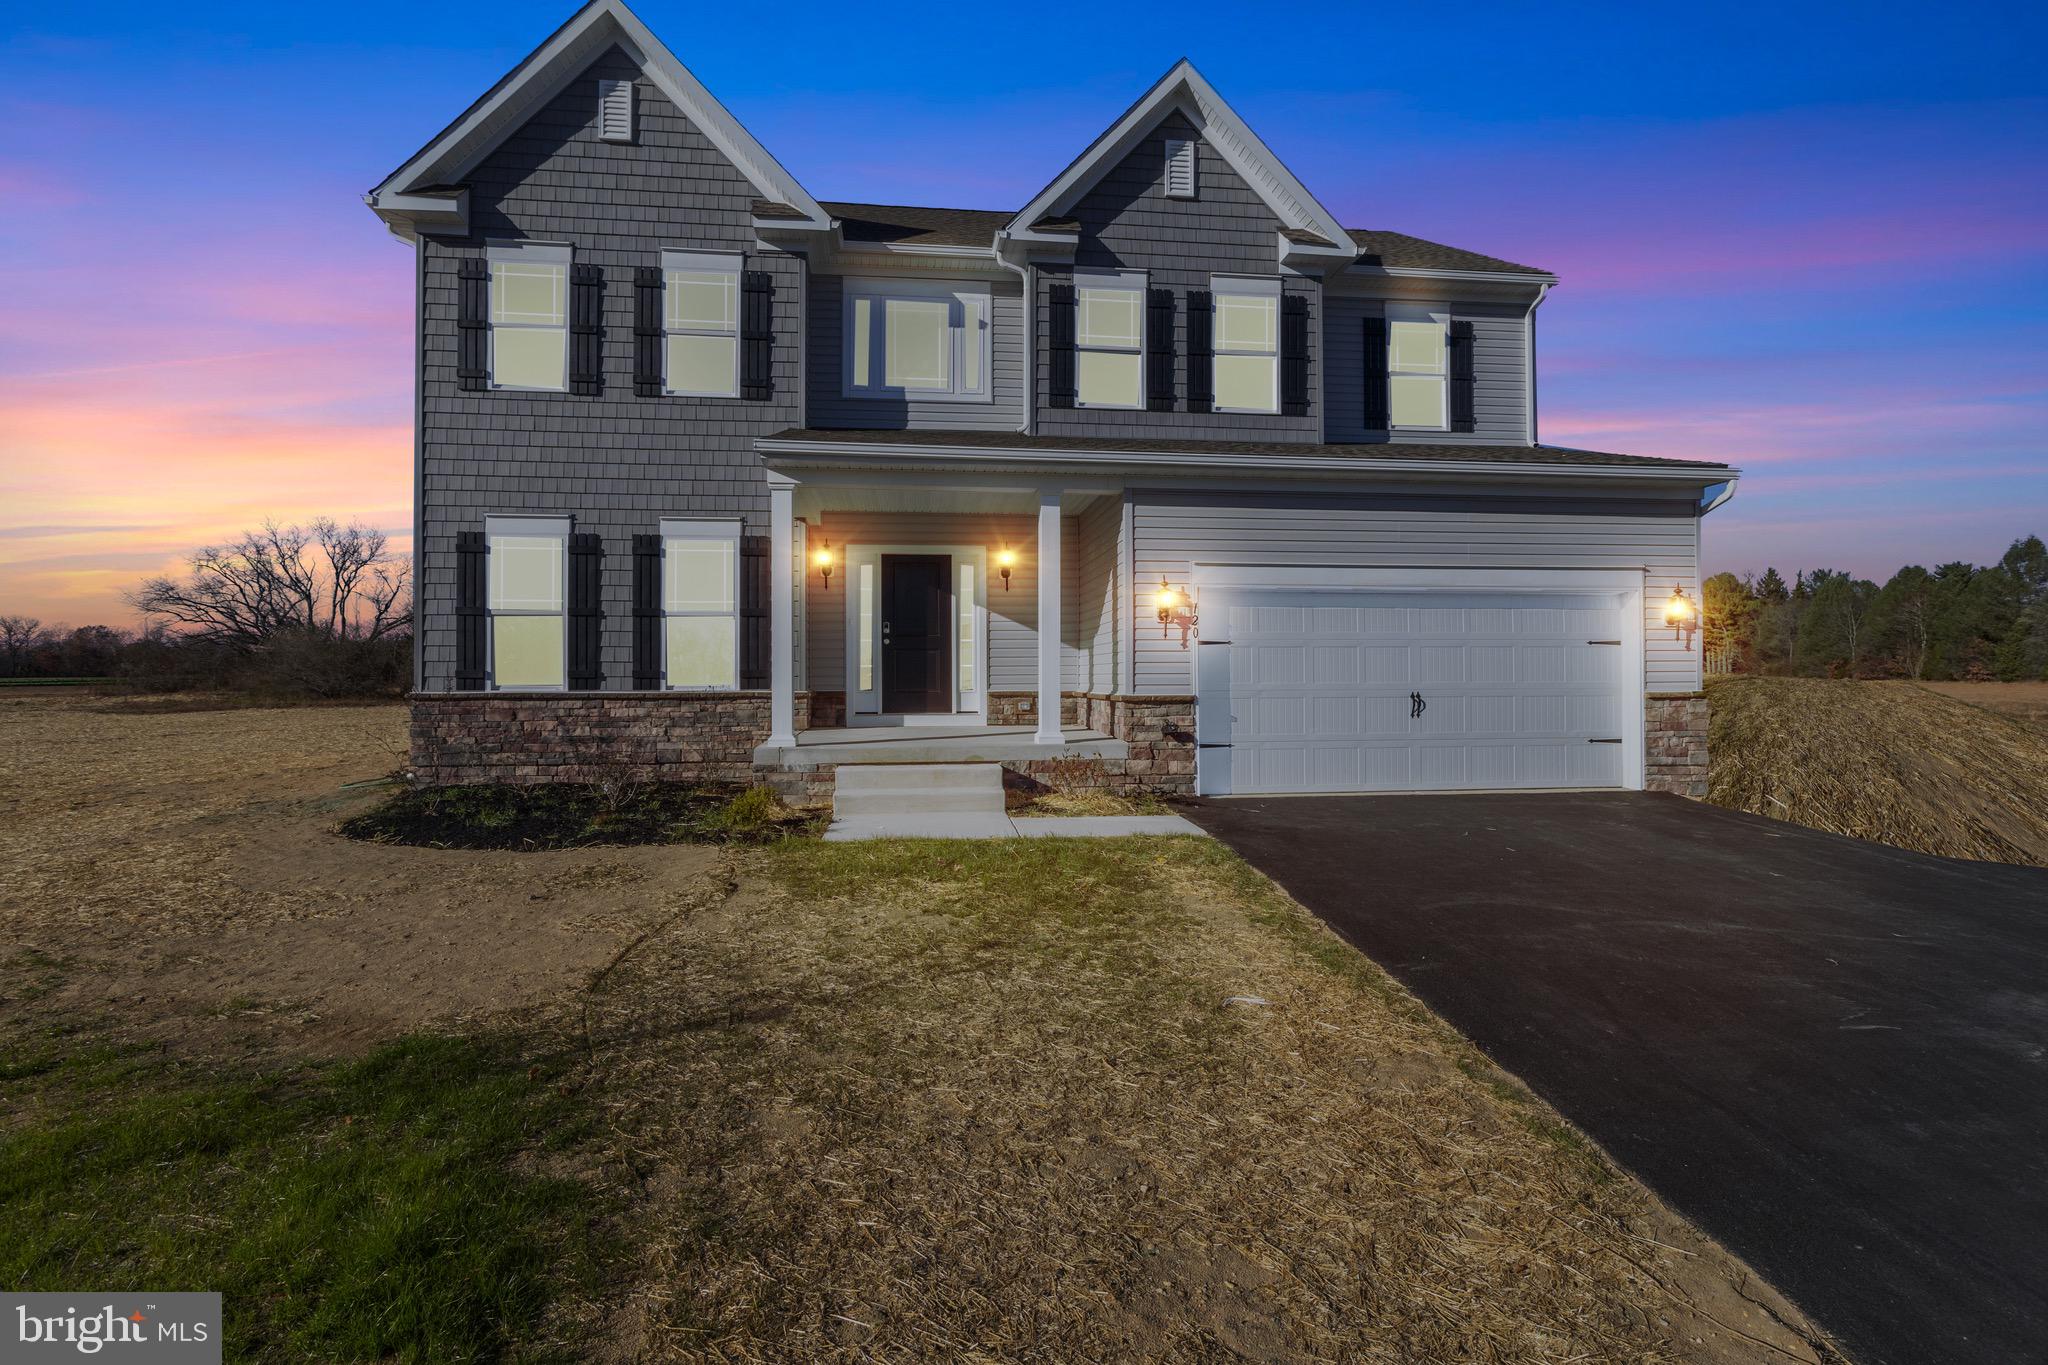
(566, 54)
(1183, 88)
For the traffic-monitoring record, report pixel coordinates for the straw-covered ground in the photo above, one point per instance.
(1961, 772)
(1037, 1101)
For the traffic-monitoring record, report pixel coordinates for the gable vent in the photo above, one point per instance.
(1180, 168)
(615, 111)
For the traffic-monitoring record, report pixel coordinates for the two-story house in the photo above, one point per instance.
(1166, 479)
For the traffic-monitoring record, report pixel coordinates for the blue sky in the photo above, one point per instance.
(1812, 242)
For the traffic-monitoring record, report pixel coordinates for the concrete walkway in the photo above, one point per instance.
(983, 825)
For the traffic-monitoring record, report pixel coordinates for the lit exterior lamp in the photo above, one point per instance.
(821, 559)
(1176, 608)
(1682, 615)
(1006, 560)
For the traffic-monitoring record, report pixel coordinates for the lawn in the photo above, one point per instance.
(1042, 1100)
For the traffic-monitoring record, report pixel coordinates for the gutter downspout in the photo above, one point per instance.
(1030, 422)
(1542, 293)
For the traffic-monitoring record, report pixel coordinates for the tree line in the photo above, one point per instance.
(1954, 621)
(323, 610)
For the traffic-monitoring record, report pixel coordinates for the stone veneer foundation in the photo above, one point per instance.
(1675, 743)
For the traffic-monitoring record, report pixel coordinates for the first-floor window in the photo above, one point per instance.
(916, 339)
(1109, 339)
(700, 570)
(529, 569)
(529, 316)
(1417, 368)
(701, 318)
(1247, 349)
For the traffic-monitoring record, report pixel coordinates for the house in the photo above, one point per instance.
(1167, 479)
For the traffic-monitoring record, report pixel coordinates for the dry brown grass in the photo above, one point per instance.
(1890, 761)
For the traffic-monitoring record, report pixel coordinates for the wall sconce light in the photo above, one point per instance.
(1682, 615)
(1006, 560)
(822, 559)
(1176, 608)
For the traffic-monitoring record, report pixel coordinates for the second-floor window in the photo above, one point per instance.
(701, 319)
(1109, 340)
(529, 317)
(1247, 349)
(1417, 368)
(914, 339)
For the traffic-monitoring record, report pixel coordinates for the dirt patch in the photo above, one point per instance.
(2027, 701)
(178, 875)
(1891, 761)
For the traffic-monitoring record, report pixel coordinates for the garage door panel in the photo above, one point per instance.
(1334, 664)
(1541, 665)
(1388, 716)
(1383, 664)
(1541, 715)
(1444, 716)
(1594, 765)
(1486, 664)
(1335, 717)
(1439, 663)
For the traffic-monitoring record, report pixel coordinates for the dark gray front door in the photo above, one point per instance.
(917, 633)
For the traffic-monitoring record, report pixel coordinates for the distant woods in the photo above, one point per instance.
(1954, 621)
(319, 611)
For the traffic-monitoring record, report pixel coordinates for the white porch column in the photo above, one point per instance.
(781, 612)
(1049, 628)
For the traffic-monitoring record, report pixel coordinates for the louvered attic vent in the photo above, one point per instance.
(1180, 168)
(615, 111)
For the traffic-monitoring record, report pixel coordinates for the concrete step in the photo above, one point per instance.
(887, 789)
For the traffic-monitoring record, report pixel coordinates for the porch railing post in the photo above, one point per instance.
(781, 612)
(1049, 628)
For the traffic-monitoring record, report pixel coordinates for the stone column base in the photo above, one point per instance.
(1675, 743)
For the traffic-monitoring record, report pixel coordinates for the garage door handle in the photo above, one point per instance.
(1416, 705)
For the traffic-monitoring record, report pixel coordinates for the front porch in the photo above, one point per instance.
(829, 747)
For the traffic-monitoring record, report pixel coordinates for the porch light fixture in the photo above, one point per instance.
(1176, 608)
(1682, 615)
(822, 559)
(1006, 560)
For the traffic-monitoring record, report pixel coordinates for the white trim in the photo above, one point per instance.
(855, 553)
(786, 549)
(881, 289)
(1051, 632)
(728, 529)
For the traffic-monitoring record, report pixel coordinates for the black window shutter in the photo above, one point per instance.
(647, 613)
(472, 613)
(757, 334)
(473, 323)
(1061, 388)
(586, 611)
(1463, 378)
(1201, 351)
(1294, 355)
(586, 329)
(1159, 394)
(754, 599)
(1375, 394)
(647, 331)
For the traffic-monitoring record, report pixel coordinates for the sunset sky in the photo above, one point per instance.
(1812, 245)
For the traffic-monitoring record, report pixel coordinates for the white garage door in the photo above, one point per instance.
(1420, 691)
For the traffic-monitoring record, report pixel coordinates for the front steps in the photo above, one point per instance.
(896, 790)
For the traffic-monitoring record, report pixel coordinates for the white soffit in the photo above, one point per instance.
(563, 57)
(1184, 88)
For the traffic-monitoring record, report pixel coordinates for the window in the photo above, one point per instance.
(1416, 368)
(1109, 339)
(965, 598)
(700, 319)
(529, 316)
(529, 569)
(1247, 347)
(912, 339)
(700, 563)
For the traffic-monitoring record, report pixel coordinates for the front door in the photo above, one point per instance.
(917, 617)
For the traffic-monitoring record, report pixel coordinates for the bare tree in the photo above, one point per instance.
(20, 636)
(339, 582)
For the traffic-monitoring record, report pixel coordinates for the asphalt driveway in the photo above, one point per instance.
(1830, 1054)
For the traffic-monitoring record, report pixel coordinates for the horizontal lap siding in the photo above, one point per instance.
(1500, 362)
(615, 462)
(829, 407)
(1172, 532)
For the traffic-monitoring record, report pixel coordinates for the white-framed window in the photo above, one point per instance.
(527, 589)
(529, 316)
(700, 604)
(921, 339)
(1418, 367)
(1247, 344)
(1109, 339)
(701, 323)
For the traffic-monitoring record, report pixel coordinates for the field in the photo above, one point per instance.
(1071, 1100)
(1956, 769)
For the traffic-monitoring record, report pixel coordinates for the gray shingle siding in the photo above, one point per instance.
(829, 407)
(614, 462)
(1500, 363)
(1128, 223)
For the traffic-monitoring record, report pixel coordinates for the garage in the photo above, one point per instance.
(1418, 683)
